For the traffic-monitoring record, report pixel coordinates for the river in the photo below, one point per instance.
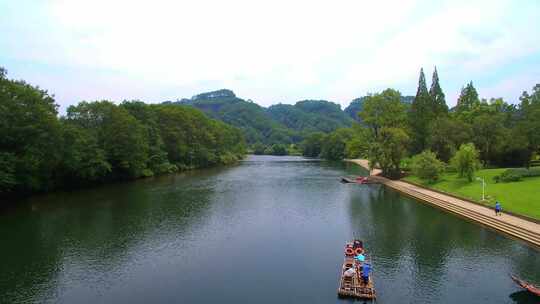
(270, 230)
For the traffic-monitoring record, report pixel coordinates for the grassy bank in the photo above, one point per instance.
(521, 197)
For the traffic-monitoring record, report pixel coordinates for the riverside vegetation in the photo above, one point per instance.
(444, 148)
(100, 141)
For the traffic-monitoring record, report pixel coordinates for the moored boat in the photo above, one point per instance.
(529, 287)
(357, 180)
(353, 283)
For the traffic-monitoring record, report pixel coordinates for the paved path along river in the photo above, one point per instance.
(520, 228)
(270, 230)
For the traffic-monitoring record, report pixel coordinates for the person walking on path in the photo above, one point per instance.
(498, 208)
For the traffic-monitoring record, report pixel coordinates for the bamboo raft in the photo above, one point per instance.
(354, 287)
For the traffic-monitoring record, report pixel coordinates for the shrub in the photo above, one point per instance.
(465, 161)
(516, 174)
(509, 176)
(426, 166)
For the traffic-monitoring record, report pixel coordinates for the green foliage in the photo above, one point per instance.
(100, 141)
(446, 135)
(385, 117)
(388, 151)
(121, 136)
(30, 137)
(333, 146)
(437, 96)
(356, 148)
(258, 148)
(281, 123)
(294, 150)
(467, 102)
(427, 167)
(7, 172)
(249, 117)
(426, 107)
(278, 150)
(466, 161)
(516, 174)
(83, 160)
(312, 145)
(383, 110)
(357, 105)
(310, 116)
(530, 122)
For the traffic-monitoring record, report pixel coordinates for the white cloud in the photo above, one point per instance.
(270, 51)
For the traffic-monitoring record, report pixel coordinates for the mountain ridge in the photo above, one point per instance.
(278, 123)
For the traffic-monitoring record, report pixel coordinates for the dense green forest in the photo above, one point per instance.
(495, 132)
(279, 124)
(100, 141)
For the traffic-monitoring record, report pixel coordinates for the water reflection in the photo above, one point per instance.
(270, 226)
(437, 256)
(98, 230)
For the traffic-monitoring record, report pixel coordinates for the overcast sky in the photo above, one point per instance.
(268, 51)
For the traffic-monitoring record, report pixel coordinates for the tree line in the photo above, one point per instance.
(501, 134)
(100, 141)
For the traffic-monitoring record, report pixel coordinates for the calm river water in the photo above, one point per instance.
(270, 230)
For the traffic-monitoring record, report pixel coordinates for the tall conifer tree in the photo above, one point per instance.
(421, 115)
(437, 95)
(468, 99)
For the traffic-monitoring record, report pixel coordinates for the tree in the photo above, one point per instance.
(258, 148)
(467, 102)
(358, 145)
(529, 124)
(121, 136)
(8, 180)
(83, 161)
(422, 112)
(158, 161)
(278, 149)
(446, 135)
(333, 147)
(465, 161)
(356, 148)
(30, 137)
(312, 145)
(488, 131)
(437, 95)
(427, 167)
(388, 151)
(383, 110)
(384, 117)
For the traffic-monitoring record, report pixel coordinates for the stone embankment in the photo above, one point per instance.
(514, 226)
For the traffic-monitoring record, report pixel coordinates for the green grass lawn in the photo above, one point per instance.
(521, 197)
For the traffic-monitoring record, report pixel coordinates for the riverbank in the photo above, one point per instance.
(521, 198)
(514, 226)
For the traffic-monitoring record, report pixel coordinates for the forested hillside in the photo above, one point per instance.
(248, 116)
(100, 141)
(310, 116)
(278, 124)
(396, 133)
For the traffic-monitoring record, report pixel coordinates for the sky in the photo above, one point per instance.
(269, 51)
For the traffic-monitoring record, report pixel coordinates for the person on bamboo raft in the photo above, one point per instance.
(360, 258)
(349, 272)
(366, 269)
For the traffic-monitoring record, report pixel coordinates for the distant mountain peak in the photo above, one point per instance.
(223, 93)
